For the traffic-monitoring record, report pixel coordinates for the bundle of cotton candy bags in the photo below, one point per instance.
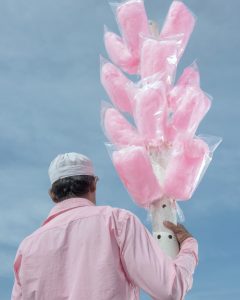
(156, 151)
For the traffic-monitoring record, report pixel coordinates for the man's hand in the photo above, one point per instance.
(179, 230)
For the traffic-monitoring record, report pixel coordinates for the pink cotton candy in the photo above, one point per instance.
(135, 170)
(159, 56)
(118, 130)
(193, 106)
(120, 54)
(179, 21)
(185, 168)
(150, 110)
(133, 21)
(115, 84)
(164, 54)
(189, 77)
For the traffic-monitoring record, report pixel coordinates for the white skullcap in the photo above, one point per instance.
(70, 164)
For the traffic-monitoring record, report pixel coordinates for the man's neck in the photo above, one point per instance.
(91, 197)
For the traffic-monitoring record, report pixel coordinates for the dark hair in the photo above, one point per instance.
(69, 187)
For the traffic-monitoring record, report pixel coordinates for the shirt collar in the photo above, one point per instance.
(66, 205)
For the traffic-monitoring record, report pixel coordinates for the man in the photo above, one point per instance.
(88, 252)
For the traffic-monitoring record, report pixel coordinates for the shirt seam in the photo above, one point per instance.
(46, 229)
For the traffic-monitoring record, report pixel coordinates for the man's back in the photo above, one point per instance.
(75, 255)
(90, 252)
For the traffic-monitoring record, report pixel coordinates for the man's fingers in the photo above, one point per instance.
(170, 226)
(179, 230)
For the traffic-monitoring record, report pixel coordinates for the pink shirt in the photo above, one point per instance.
(88, 252)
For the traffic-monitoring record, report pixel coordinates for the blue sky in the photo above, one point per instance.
(50, 97)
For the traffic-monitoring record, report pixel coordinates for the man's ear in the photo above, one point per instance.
(51, 194)
(92, 187)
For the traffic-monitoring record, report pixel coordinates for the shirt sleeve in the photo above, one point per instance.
(148, 267)
(17, 288)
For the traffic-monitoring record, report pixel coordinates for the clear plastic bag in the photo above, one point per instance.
(159, 153)
(132, 21)
(149, 105)
(188, 162)
(119, 53)
(189, 77)
(117, 129)
(190, 108)
(115, 84)
(179, 21)
(160, 56)
(135, 170)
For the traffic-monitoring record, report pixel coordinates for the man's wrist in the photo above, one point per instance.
(184, 238)
(190, 243)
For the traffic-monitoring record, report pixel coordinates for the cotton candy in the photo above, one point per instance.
(150, 110)
(185, 169)
(133, 22)
(159, 56)
(134, 168)
(115, 84)
(164, 55)
(189, 77)
(120, 54)
(118, 130)
(180, 21)
(193, 106)
(161, 156)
